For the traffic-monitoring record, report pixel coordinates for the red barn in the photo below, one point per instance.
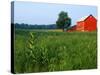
(87, 24)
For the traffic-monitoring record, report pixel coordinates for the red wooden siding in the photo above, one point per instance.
(80, 26)
(90, 24)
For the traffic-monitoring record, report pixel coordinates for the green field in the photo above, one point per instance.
(42, 51)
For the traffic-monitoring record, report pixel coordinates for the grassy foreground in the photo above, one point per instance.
(37, 51)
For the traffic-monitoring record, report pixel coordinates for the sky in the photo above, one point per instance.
(47, 13)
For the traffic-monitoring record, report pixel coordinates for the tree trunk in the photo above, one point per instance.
(64, 29)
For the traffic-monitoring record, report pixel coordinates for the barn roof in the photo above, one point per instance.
(85, 17)
(71, 27)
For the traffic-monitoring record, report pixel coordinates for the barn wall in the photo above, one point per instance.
(80, 26)
(90, 24)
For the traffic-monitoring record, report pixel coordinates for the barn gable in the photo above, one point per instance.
(90, 16)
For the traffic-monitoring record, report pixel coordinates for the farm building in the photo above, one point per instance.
(88, 23)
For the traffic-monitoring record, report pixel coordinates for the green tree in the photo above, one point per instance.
(63, 21)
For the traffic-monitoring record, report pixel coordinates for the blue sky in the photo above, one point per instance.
(46, 13)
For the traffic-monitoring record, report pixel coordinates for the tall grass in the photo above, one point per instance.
(54, 51)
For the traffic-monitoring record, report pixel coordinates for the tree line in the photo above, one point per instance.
(35, 26)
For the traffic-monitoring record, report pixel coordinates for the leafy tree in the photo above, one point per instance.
(64, 21)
